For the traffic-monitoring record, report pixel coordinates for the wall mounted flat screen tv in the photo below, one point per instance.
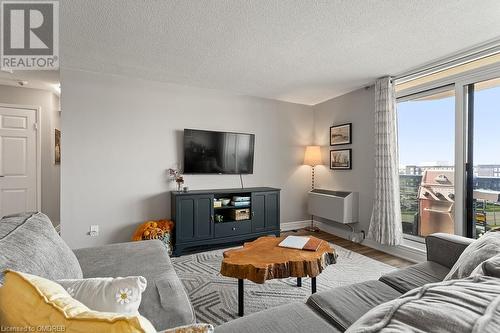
(210, 152)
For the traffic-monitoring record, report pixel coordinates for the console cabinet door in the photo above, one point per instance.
(272, 211)
(194, 218)
(265, 211)
(258, 211)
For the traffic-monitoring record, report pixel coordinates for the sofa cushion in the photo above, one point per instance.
(415, 276)
(468, 305)
(490, 267)
(484, 248)
(342, 306)
(30, 244)
(164, 302)
(293, 317)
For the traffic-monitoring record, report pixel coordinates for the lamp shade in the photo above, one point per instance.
(312, 156)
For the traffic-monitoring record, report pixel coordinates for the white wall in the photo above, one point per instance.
(49, 103)
(121, 134)
(356, 107)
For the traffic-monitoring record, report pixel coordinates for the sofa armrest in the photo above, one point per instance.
(445, 248)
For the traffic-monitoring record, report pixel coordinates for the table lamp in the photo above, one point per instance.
(312, 157)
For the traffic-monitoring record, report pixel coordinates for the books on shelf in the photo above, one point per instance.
(241, 199)
(301, 243)
(240, 203)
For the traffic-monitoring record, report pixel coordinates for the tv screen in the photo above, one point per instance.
(218, 152)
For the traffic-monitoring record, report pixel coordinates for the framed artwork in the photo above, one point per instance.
(57, 146)
(340, 159)
(341, 134)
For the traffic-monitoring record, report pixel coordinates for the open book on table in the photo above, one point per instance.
(301, 243)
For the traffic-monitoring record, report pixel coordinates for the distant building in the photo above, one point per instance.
(418, 170)
(487, 183)
(487, 170)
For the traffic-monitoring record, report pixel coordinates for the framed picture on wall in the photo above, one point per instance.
(340, 159)
(341, 134)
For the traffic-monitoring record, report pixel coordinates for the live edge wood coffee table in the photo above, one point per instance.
(263, 260)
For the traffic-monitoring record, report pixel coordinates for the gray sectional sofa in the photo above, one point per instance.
(337, 309)
(29, 243)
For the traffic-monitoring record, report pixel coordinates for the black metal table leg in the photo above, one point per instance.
(313, 285)
(299, 282)
(240, 298)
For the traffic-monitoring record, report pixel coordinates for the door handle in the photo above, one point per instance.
(1, 176)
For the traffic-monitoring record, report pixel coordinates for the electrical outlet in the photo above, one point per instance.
(94, 230)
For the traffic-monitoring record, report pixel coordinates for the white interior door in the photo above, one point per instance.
(19, 160)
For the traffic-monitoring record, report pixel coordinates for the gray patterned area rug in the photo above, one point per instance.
(214, 297)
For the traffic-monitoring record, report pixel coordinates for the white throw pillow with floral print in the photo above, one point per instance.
(121, 294)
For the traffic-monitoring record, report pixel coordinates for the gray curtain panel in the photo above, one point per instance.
(385, 223)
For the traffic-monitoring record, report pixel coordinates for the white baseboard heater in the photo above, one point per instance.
(338, 206)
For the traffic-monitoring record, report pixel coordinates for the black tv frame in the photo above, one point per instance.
(216, 173)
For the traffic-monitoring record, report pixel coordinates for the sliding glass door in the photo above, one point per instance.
(448, 135)
(426, 137)
(483, 157)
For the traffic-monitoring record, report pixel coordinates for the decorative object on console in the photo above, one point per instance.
(160, 229)
(312, 157)
(341, 134)
(176, 175)
(240, 214)
(107, 294)
(340, 159)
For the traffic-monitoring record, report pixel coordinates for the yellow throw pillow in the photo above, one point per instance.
(33, 303)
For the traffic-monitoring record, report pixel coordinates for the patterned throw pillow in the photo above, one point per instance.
(120, 295)
(193, 328)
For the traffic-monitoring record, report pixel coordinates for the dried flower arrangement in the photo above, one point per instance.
(176, 175)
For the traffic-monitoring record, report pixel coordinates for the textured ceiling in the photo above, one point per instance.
(298, 51)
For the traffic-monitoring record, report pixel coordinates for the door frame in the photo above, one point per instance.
(38, 135)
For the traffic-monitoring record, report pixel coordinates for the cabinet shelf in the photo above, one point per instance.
(231, 207)
(231, 221)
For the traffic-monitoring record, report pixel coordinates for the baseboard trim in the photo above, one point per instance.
(294, 225)
(405, 252)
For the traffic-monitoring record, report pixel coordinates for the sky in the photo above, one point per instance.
(427, 129)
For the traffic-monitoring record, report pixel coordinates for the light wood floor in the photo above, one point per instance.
(361, 249)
